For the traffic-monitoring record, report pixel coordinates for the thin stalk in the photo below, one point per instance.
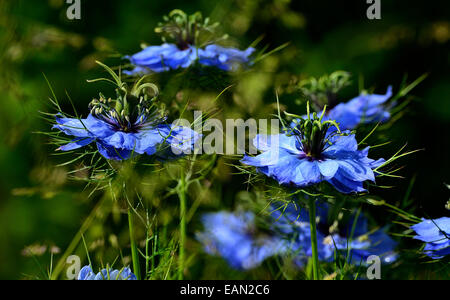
(134, 250)
(182, 198)
(312, 223)
(75, 241)
(147, 259)
(155, 240)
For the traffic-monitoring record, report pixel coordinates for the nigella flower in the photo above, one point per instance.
(293, 222)
(117, 143)
(310, 153)
(233, 236)
(86, 273)
(169, 57)
(364, 109)
(227, 59)
(162, 58)
(436, 234)
(118, 134)
(186, 32)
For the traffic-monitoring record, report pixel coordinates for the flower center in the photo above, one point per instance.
(186, 30)
(312, 134)
(128, 112)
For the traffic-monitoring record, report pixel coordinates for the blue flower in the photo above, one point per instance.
(292, 160)
(118, 141)
(364, 109)
(227, 59)
(294, 226)
(436, 235)
(86, 273)
(161, 58)
(233, 236)
(170, 57)
(293, 223)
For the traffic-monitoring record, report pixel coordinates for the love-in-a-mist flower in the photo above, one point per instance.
(162, 58)
(310, 153)
(124, 126)
(86, 273)
(234, 237)
(186, 32)
(364, 109)
(227, 59)
(293, 222)
(436, 234)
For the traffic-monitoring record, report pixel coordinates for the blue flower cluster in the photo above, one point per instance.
(233, 236)
(364, 109)
(86, 273)
(293, 222)
(339, 162)
(436, 235)
(118, 143)
(170, 57)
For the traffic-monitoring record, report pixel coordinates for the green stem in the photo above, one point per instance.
(134, 250)
(312, 223)
(74, 243)
(182, 198)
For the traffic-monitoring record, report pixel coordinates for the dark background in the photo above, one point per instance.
(38, 204)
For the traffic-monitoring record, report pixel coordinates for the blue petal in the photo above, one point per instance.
(162, 58)
(182, 140)
(366, 108)
(123, 140)
(150, 138)
(346, 185)
(230, 235)
(126, 274)
(110, 152)
(265, 142)
(433, 230)
(437, 251)
(310, 172)
(84, 273)
(114, 275)
(102, 275)
(89, 127)
(144, 141)
(346, 143)
(355, 170)
(347, 117)
(328, 168)
(264, 159)
(141, 71)
(227, 59)
(76, 143)
(285, 170)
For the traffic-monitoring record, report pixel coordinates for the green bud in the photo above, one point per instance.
(118, 106)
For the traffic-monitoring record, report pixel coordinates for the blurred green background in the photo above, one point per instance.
(38, 204)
